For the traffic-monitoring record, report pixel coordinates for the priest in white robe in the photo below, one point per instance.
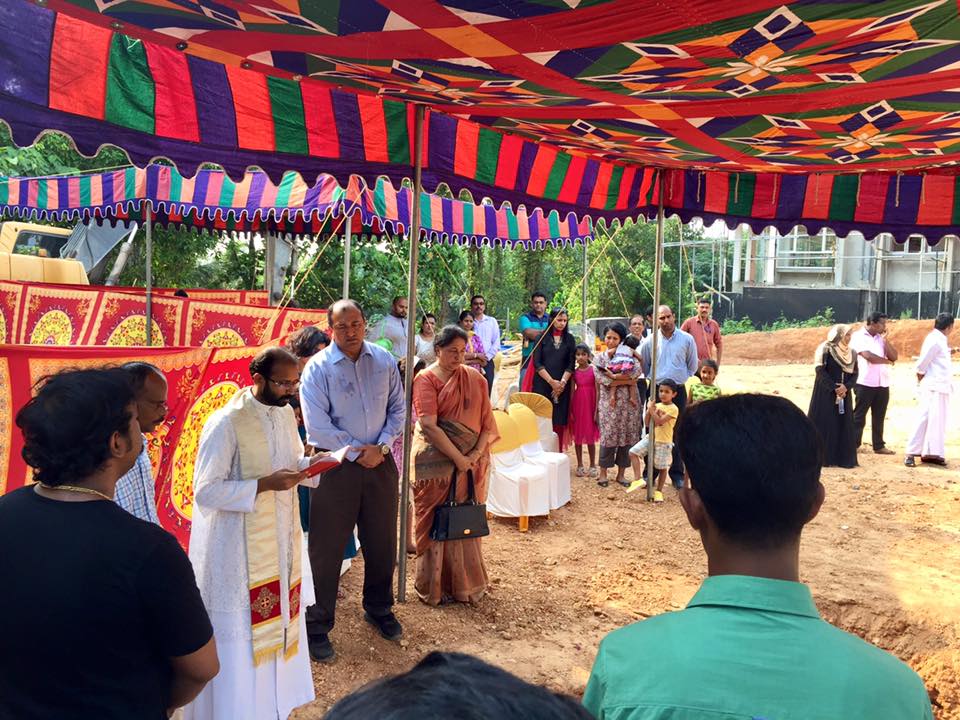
(247, 551)
(929, 436)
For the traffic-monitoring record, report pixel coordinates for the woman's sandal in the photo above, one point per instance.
(603, 483)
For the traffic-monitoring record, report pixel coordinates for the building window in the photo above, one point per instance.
(914, 245)
(798, 250)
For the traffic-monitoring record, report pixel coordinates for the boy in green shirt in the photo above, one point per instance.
(750, 645)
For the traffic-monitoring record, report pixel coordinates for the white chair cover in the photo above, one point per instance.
(548, 438)
(517, 488)
(557, 466)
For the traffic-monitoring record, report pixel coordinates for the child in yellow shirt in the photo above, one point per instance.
(664, 415)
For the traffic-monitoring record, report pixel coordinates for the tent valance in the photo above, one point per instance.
(211, 200)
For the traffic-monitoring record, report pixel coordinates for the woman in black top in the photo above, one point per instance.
(553, 362)
(831, 405)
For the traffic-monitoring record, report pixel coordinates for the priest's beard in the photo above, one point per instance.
(269, 397)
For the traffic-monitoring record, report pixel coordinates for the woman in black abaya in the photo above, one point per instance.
(831, 405)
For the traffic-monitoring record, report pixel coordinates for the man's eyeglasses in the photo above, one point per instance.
(285, 384)
(343, 327)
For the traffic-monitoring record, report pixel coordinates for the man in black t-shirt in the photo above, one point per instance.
(104, 619)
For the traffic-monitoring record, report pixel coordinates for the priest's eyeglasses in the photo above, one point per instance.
(285, 384)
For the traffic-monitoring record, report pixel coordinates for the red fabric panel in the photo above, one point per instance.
(542, 165)
(321, 122)
(674, 183)
(572, 179)
(816, 204)
(872, 198)
(509, 161)
(78, 67)
(718, 190)
(765, 195)
(175, 110)
(251, 102)
(465, 153)
(936, 200)
(374, 128)
(599, 198)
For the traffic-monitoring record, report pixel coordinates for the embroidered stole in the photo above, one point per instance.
(263, 548)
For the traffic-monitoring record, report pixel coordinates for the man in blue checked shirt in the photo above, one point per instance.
(351, 395)
(135, 491)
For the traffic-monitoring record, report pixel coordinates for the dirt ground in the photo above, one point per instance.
(882, 558)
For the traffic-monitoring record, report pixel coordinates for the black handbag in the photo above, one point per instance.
(460, 521)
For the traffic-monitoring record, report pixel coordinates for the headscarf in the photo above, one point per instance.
(839, 350)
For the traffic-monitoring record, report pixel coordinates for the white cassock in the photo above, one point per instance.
(930, 432)
(242, 691)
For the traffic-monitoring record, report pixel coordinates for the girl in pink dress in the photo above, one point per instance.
(583, 411)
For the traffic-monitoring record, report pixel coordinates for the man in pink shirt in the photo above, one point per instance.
(705, 331)
(874, 358)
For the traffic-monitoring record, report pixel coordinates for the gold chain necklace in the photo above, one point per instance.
(77, 489)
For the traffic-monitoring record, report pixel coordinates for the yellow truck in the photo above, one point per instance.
(31, 253)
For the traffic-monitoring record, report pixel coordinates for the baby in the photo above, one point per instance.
(624, 363)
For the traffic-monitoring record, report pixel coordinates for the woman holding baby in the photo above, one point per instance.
(619, 408)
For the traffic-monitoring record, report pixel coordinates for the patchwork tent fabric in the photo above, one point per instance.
(201, 381)
(64, 315)
(211, 200)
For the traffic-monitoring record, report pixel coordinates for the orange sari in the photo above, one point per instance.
(452, 570)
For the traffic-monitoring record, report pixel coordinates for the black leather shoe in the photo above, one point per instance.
(321, 649)
(387, 624)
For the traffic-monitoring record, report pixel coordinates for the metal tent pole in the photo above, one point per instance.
(583, 291)
(347, 242)
(657, 272)
(148, 218)
(414, 236)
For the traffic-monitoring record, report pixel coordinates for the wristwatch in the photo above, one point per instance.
(384, 449)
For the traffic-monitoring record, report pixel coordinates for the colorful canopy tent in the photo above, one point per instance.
(637, 101)
(211, 200)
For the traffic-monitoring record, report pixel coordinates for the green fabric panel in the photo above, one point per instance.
(42, 194)
(513, 228)
(488, 153)
(176, 186)
(4, 192)
(557, 173)
(613, 190)
(283, 192)
(553, 219)
(379, 200)
(286, 106)
(740, 194)
(84, 190)
(227, 190)
(843, 200)
(955, 220)
(467, 218)
(130, 90)
(426, 219)
(129, 183)
(398, 140)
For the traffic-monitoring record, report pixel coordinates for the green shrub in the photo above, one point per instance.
(737, 326)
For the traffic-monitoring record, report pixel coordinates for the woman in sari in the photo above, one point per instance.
(476, 356)
(831, 404)
(455, 430)
(619, 414)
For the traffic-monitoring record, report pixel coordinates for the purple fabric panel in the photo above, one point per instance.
(902, 207)
(107, 188)
(588, 182)
(63, 192)
(214, 99)
(793, 191)
(447, 206)
(200, 188)
(403, 207)
(27, 31)
(441, 142)
(633, 198)
(257, 185)
(694, 184)
(153, 178)
(310, 199)
(490, 222)
(346, 114)
(527, 156)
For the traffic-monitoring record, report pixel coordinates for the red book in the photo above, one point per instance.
(326, 461)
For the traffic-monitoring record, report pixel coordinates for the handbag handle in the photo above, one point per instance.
(471, 490)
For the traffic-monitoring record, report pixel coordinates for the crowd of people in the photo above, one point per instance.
(229, 631)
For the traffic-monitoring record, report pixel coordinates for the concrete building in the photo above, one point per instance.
(797, 275)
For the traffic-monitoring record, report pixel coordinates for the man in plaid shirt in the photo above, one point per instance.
(135, 490)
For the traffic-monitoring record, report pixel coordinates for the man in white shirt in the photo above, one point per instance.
(393, 327)
(875, 356)
(246, 548)
(136, 492)
(488, 329)
(933, 372)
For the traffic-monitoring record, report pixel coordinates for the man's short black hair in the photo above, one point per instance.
(875, 317)
(755, 461)
(345, 302)
(181, 293)
(943, 321)
(457, 686)
(477, 297)
(648, 312)
(68, 424)
(139, 371)
(395, 299)
(306, 342)
(536, 294)
(265, 361)
(705, 300)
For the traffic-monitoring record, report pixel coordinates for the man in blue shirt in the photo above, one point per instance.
(351, 395)
(677, 361)
(532, 325)
(750, 644)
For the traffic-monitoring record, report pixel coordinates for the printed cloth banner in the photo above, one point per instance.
(200, 381)
(243, 297)
(42, 314)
